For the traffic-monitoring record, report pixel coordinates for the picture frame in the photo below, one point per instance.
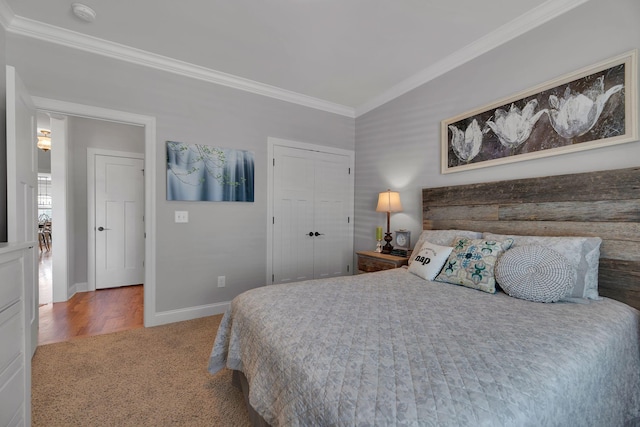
(590, 108)
(205, 173)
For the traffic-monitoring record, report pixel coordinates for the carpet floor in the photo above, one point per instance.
(142, 377)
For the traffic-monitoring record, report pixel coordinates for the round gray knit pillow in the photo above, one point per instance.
(535, 273)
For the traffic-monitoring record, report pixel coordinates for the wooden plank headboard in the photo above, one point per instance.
(604, 204)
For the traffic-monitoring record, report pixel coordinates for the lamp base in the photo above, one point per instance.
(387, 248)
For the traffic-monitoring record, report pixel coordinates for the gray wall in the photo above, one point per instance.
(44, 161)
(3, 137)
(398, 144)
(221, 238)
(82, 134)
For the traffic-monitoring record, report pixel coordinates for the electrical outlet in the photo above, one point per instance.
(181, 216)
(221, 280)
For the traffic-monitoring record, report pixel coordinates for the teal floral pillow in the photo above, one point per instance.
(472, 263)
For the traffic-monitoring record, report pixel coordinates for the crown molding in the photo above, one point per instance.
(524, 23)
(38, 30)
(6, 14)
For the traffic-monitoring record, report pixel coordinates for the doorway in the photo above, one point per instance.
(45, 213)
(45, 235)
(59, 111)
(72, 138)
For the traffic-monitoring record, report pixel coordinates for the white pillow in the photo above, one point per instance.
(582, 252)
(429, 259)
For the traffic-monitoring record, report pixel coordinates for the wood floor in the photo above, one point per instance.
(88, 313)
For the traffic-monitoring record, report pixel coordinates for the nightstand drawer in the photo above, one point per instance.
(373, 261)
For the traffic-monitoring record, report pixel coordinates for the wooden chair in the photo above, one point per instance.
(44, 235)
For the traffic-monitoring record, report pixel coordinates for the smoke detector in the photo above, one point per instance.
(83, 12)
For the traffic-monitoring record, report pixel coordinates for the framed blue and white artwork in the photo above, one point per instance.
(197, 172)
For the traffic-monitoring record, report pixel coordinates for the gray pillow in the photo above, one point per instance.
(442, 238)
(535, 273)
(582, 252)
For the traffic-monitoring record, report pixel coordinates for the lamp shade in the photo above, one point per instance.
(389, 201)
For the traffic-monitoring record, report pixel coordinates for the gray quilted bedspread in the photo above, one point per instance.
(390, 349)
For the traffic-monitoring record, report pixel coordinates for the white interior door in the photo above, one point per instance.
(311, 225)
(119, 221)
(22, 187)
(22, 213)
(293, 215)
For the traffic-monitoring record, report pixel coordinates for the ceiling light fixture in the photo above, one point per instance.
(83, 12)
(44, 140)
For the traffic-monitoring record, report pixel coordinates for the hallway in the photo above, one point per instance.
(45, 293)
(86, 313)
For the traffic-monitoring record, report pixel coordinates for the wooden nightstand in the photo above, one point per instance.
(369, 261)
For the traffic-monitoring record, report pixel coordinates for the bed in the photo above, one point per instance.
(394, 348)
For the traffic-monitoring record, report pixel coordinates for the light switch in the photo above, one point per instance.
(182, 216)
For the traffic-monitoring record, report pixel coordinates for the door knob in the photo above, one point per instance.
(311, 234)
(102, 229)
(319, 234)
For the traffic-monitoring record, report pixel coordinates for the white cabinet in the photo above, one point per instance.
(15, 335)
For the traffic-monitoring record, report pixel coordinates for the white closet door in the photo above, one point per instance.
(311, 230)
(331, 215)
(293, 182)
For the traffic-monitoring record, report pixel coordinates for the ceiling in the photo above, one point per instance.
(348, 56)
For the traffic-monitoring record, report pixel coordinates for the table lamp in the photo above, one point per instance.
(388, 201)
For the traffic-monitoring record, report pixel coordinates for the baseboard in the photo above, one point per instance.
(171, 316)
(75, 288)
(71, 291)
